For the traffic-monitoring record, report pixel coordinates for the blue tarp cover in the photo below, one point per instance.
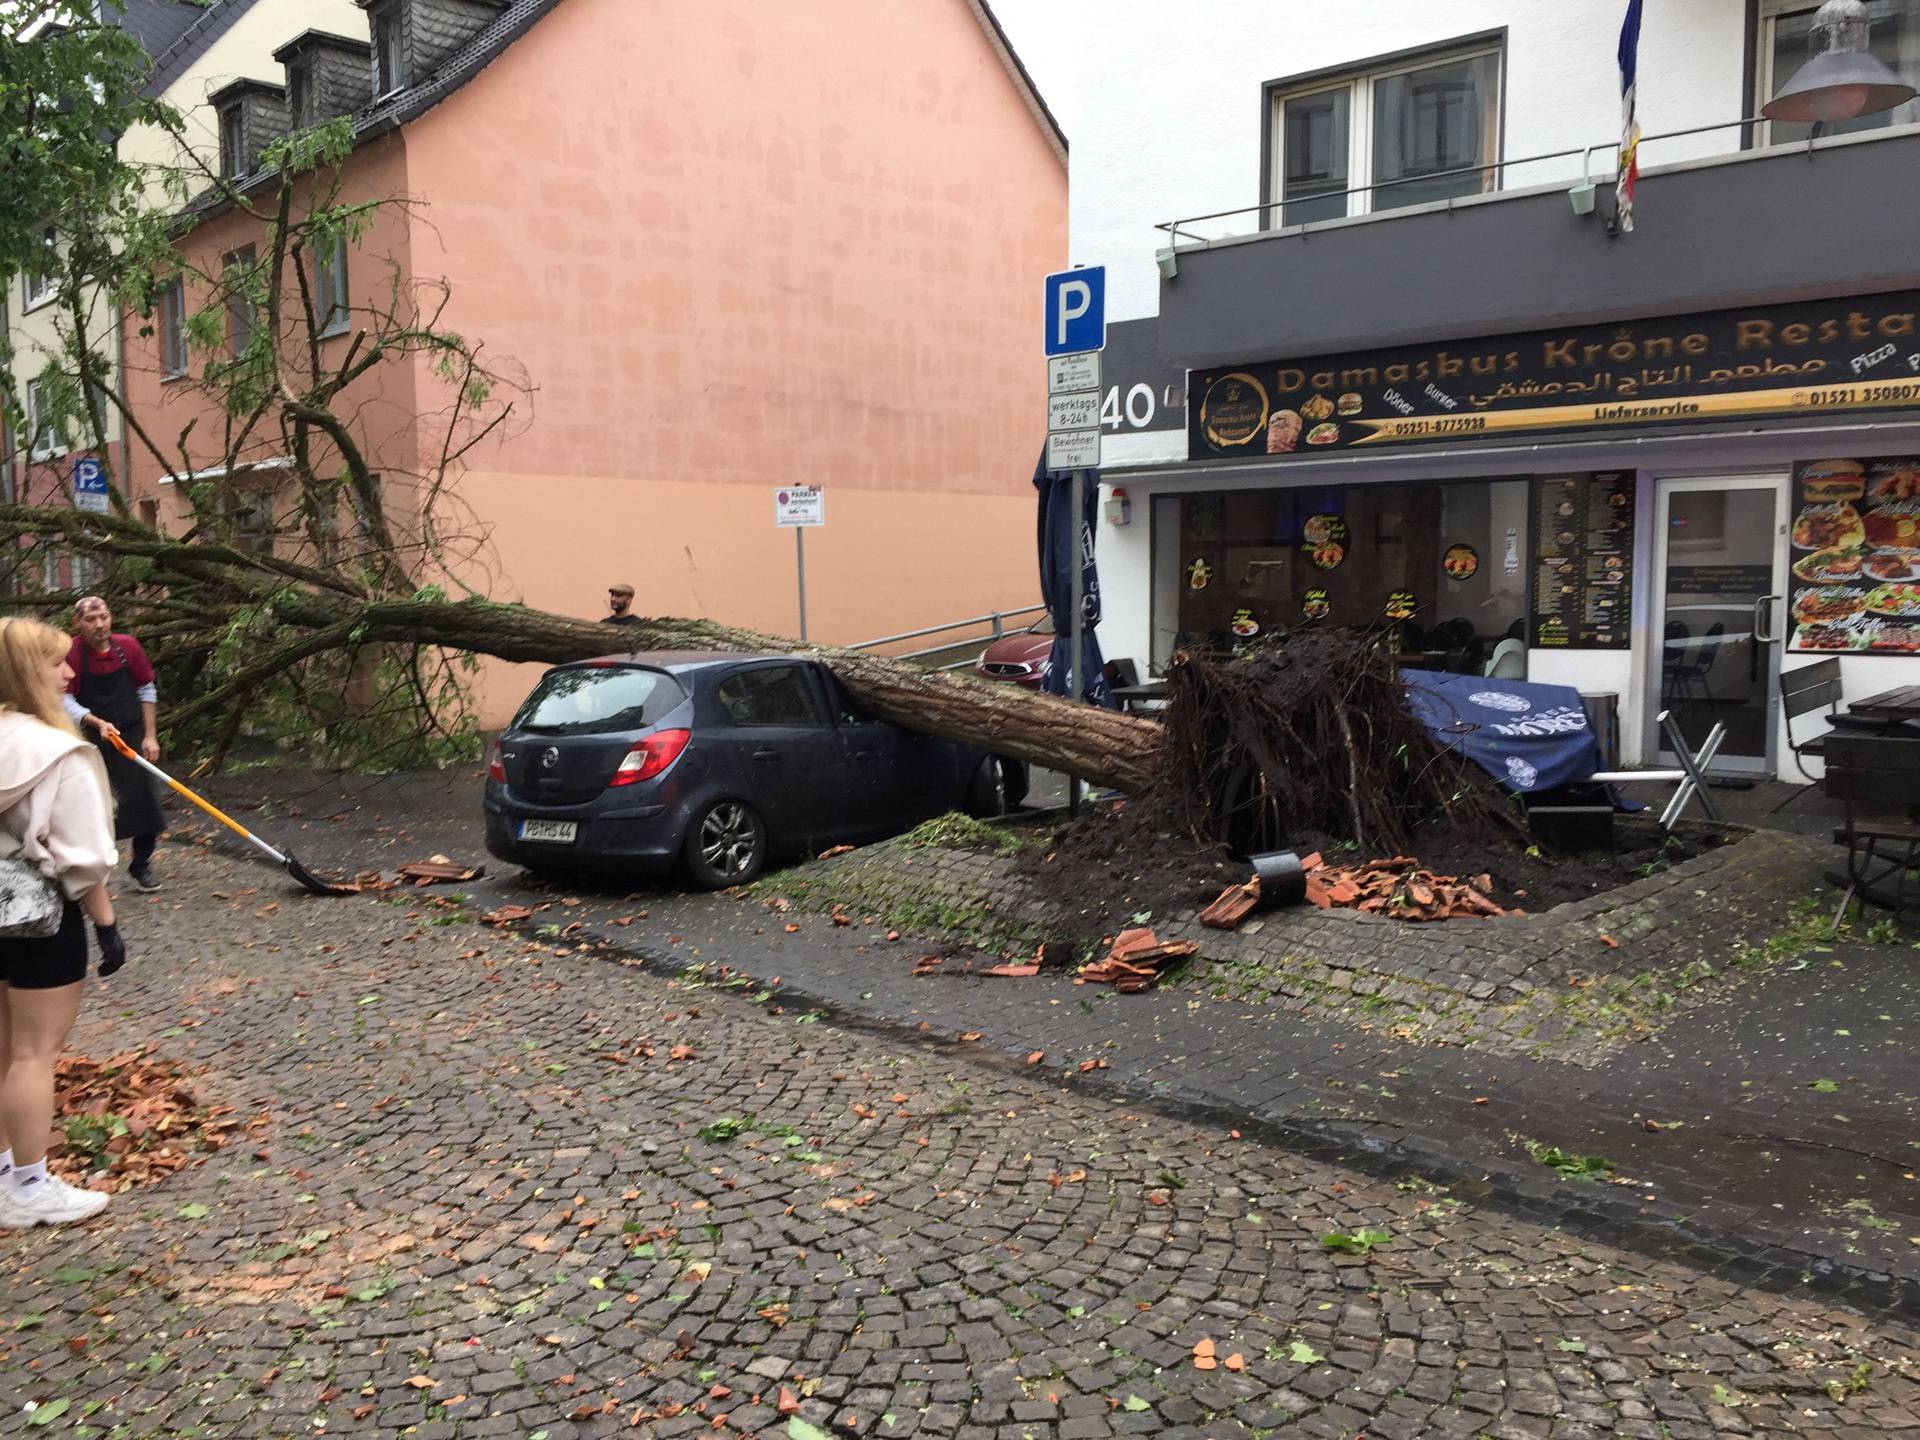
(1528, 737)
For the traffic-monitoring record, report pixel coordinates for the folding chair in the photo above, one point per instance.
(1802, 692)
(1689, 781)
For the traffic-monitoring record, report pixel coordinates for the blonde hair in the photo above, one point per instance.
(27, 648)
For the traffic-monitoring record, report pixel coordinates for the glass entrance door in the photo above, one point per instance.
(1721, 551)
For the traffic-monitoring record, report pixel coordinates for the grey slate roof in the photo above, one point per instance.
(410, 100)
(177, 32)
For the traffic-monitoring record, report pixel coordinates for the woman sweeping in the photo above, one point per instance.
(56, 818)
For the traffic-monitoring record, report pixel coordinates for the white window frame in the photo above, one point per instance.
(381, 17)
(233, 142)
(173, 329)
(1359, 83)
(1766, 80)
(38, 290)
(56, 442)
(237, 304)
(330, 304)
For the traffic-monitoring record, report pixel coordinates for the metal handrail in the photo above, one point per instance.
(994, 619)
(997, 619)
(1172, 227)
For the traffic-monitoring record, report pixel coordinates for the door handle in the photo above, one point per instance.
(766, 754)
(1762, 613)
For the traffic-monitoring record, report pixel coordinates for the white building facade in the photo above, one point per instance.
(1380, 352)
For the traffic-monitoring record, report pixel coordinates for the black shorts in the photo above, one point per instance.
(59, 959)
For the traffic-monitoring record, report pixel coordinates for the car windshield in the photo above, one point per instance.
(1042, 626)
(584, 699)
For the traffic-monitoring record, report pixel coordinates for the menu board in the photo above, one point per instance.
(1582, 529)
(1856, 557)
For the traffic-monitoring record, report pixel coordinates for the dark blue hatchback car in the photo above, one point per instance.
(711, 763)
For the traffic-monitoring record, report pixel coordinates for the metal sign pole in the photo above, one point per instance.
(1076, 661)
(800, 567)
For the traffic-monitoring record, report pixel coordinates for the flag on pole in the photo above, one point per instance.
(1629, 176)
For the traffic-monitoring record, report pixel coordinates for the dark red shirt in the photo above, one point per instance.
(85, 660)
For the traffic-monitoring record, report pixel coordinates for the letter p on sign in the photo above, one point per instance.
(1077, 311)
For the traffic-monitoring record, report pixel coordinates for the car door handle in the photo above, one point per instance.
(866, 754)
(766, 754)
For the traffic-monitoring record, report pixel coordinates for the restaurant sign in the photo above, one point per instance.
(1805, 359)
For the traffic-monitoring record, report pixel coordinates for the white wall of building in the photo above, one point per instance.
(1169, 124)
(1169, 99)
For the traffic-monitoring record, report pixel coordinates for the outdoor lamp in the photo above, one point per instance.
(1843, 81)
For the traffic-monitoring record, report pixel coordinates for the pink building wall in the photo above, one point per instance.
(737, 246)
(741, 245)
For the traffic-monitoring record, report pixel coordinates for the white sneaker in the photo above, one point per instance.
(52, 1202)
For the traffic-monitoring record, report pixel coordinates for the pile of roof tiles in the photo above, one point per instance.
(1396, 887)
(1136, 961)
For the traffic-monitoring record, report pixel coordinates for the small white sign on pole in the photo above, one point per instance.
(1078, 411)
(1073, 450)
(1073, 372)
(799, 506)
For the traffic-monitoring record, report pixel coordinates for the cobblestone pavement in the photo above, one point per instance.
(505, 1187)
(1797, 1097)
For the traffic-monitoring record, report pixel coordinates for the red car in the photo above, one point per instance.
(1019, 658)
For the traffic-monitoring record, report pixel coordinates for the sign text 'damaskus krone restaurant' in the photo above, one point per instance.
(1804, 359)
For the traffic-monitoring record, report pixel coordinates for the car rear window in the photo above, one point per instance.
(582, 699)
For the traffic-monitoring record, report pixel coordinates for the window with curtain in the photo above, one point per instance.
(1787, 43)
(1408, 134)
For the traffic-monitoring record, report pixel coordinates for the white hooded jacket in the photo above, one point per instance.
(54, 808)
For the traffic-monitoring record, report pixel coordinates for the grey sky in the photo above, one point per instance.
(1041, 30)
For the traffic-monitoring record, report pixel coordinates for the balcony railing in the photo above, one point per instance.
(1264, 215)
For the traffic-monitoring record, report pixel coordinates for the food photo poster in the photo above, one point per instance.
(1856, 557)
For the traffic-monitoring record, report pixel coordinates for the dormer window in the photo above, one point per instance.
(252, 116)
(300, 112)
(233, 143)
(389, 54)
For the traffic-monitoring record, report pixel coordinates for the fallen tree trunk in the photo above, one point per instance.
(185, 594)
(1104, 747)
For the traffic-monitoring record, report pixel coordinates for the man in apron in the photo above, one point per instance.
(113, 690)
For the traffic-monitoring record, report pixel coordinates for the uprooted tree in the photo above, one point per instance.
(320, 578)
(320, 581)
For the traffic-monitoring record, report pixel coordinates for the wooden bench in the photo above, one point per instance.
(1869, 773)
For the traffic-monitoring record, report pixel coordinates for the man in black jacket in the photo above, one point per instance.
(620, 601)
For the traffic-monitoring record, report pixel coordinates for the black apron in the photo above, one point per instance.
(115, 698)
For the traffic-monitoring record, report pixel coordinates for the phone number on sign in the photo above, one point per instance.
(1455, 425)
(1885, 393)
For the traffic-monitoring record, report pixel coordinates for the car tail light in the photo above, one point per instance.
(497, 765)
(649, 757)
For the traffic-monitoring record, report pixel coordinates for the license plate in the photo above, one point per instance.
(561, 831)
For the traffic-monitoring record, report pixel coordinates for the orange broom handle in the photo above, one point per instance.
(113, 739)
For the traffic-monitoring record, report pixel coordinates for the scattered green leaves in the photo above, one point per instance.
(1569, 1165)
(1134, 1404)
(1359, 1242)
(798, 1429)
(195, 1211)
(1572, 1347)
(1302, 1353)
(1824, 1087)
(51, 1411)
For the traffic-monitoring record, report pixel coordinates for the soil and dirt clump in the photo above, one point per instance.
(1309, 745)
(1126, 859)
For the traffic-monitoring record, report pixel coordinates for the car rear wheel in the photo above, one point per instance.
(726, 845)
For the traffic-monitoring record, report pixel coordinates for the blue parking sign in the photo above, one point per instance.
(1077, 310)
(90, 485)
